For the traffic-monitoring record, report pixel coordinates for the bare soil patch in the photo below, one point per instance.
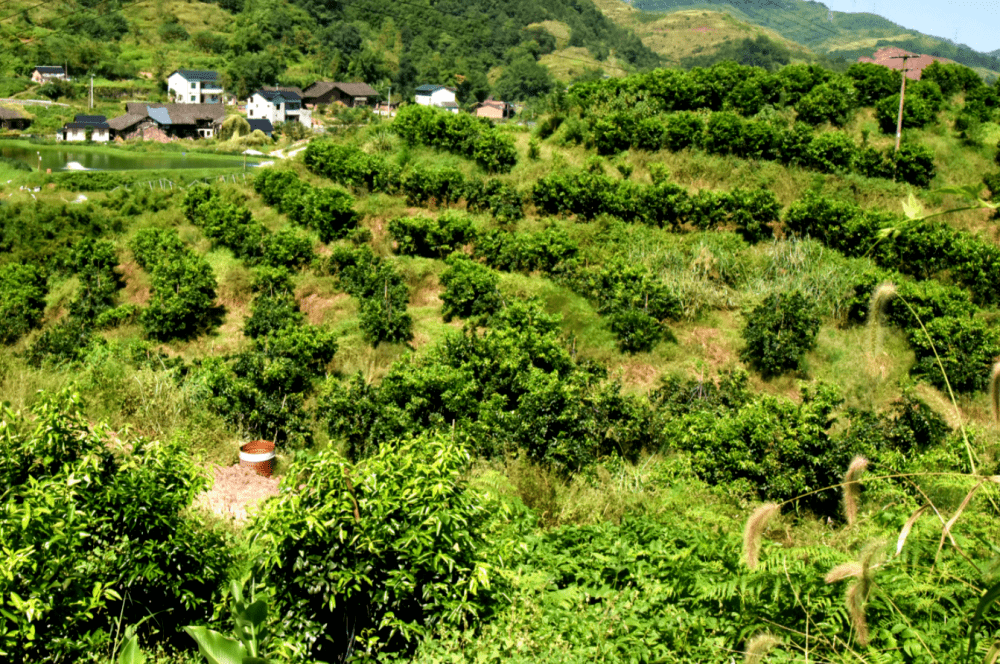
(237, 492)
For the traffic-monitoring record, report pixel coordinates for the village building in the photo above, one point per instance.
(437, 95)
(11, 119)
(278, 105)
(86, 127)
(42, 75)
(168, 121)
(195, 86)
(348, 94)
(494, 110)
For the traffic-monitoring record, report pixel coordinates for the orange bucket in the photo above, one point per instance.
(258, 455)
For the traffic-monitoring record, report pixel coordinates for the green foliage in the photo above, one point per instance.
(967, 348)
(636, 330)
(336, 540)
(252, 635)
(475, 138)
(779, 331)
(183, 286)
(432, 238)
(873, 82)
(833, 102)
(526, 252)
(70, 492)
(500, 199)
(470, 289)
(919, 110)
(22, 300)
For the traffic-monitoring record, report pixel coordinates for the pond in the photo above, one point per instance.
(71, 158)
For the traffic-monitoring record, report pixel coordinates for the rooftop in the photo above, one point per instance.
(198, 74)
(278, 95)
(320, 88)
(49, 70)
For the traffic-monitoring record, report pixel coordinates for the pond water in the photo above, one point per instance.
(69, 158)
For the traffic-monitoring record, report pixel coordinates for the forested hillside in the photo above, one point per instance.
(838, 34)
(485, 47)
(695, 368)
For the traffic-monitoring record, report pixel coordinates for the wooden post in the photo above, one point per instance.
(902, 94)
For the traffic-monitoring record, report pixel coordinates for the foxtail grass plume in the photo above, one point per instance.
(863, 570)
(995, 391)
(759, 646)
(852, 490)
(753, 533)
(876, 312)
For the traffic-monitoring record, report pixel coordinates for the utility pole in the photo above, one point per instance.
(902, 93)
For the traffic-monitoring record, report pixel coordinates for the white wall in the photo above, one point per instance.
(438, 97)
(182, 92)
(259, 108)
(99, 136)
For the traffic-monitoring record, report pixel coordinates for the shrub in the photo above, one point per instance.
(495, 152)
(917, 113)
(526, 252)
(724, 133)
(432, 238)
(614, 133)
(967, 347)
(753, 212)
(407, 507)
(650, 135)
(462, 134)
(779, 331)
(684, 130)
(22, 300)
(330, 212)
(637, 331)
(832, 152)
(498, 198)
(95, 262)
(470, 289)
(872, 82)
(914, 164)
(833, 102)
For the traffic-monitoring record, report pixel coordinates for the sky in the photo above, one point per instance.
(974, 23)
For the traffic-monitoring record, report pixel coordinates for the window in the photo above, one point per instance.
(192, 86)
(192, 97)
(251, 112)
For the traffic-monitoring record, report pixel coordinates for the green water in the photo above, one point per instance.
(57, 158)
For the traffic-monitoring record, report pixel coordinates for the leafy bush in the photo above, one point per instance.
(183, 288)
(753, 212)
(526, 252)
(432, 238)
(405, 508)
(498, 198)
(779, 331)
(76, 508)
(22, 300)
(637, 331)
(462, 134)
(918, 112)
(470, 289)
(967, 348)
(684, 130)
(833, 102)
(832, 152)
(872, 82)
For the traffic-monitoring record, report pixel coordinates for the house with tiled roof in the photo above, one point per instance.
(348, 94)
(12, 119)
(261, 125)
(278, 105)
(170, 120)
(494, 109)
(86, 127)
(45, 74)
(440, 96)
(195, 86)
(891, 57)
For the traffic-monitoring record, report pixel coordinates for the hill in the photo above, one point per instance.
(835, 34)
(298, 41)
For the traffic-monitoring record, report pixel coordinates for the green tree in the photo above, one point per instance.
(779, 331)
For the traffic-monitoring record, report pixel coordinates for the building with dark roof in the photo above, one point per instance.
(175, 120)
(11, 119)
(195, 86)
(86, 127)
(440, 96)
(44, 74)
(278, 105)
(348, 94)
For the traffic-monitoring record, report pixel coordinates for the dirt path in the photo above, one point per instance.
(237, 492)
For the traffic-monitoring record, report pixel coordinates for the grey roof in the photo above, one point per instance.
(86, 125)
(428, 89)
(123, 122)
(350, 89)
(264, 125)
(160, 116)
(49, 70)
(178, 114)
(198, 74)
(448, 104)
(10, 114)
(278, 96)
(89, 119)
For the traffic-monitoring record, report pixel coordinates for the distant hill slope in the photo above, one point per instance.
(837, 34)
(688, 33)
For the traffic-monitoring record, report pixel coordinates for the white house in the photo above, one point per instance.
(437, 95)
(278, 105)
(195, 86)
(95, 125)
(46, 74)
